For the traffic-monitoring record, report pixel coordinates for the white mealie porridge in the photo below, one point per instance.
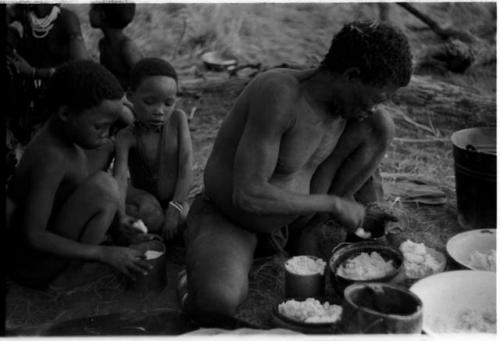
(311, 311)
(305, 265)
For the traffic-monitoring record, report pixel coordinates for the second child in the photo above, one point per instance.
(156, 150)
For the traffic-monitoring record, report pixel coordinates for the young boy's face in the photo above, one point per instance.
(154, 100)
(90, 128)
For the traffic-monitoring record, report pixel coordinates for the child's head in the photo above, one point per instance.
(112, 15)
(379, 51)
(153, 90)
(87, 99)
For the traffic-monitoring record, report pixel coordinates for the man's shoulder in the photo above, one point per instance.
(46, 156)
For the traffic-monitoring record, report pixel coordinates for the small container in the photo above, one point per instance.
(156, 278)
(303, 286)
(381, 308)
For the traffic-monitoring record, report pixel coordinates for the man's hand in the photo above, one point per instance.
(173, 218)
(350, 214)
(128, 261)
(377, 218)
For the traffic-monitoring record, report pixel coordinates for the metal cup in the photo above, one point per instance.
(156, 278)
(304, 286)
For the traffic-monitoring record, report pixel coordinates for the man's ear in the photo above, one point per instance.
(352, 73)
(63, 113)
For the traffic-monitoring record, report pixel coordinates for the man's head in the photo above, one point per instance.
(373, 58)
(153, 90)
(87, 99)
(112, 15)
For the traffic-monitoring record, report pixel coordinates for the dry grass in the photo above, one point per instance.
(272, 34)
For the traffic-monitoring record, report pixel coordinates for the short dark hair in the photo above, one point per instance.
(80, 85)
(380, 51)
(118, 15)
(148, 67)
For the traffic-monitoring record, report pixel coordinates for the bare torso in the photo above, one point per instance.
(155, 153)
(310, 138)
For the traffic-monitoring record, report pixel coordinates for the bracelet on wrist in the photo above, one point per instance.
(177, 205)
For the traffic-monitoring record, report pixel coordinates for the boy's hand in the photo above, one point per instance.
(127, 234)
(172, 221)
(128, 261)
(22, 65)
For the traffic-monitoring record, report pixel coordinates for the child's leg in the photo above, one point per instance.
(219, 255)
(85, 216)
(143, 205)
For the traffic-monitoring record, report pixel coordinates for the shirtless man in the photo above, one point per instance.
(296, 143)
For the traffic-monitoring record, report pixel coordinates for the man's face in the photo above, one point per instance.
(90, 128)
(361, 98)
(154, 100)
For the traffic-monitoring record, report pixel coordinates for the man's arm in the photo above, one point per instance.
(269, 118)
(44, 182)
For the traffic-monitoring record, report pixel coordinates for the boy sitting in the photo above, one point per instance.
(117, 52)
(156, 149)
(60, 202)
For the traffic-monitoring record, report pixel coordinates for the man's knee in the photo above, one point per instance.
(382, 129)
(211, 300)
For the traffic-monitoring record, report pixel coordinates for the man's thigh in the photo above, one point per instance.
(218, 251)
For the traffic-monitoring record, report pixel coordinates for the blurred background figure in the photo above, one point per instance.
(41, 37)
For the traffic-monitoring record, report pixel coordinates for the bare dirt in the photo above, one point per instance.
(272, 34)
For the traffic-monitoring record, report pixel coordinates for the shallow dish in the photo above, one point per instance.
(217, 61)
(461, 246)
(448, 294)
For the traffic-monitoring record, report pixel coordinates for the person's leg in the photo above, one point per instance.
(143, 205)
(85, 216)
(219, 255)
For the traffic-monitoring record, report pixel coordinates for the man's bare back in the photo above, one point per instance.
(309, 136)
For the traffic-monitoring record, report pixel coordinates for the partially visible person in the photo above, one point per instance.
(298, 148)
(156, 150)
(117, 51)
(47, 36)
(60, 202)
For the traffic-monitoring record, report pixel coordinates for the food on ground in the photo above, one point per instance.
(468, 321)
(365, 267)
(418, 261)
(305, 265)
(152, 254)
(310, 311)
(362, 233)
(483, 261)
(139, 225)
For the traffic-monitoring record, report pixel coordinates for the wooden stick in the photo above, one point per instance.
(410, 140)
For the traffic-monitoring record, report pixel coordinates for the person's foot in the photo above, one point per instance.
(181, 289)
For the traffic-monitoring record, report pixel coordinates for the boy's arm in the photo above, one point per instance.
(185, 166)
(44, 182)
(124, 140)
